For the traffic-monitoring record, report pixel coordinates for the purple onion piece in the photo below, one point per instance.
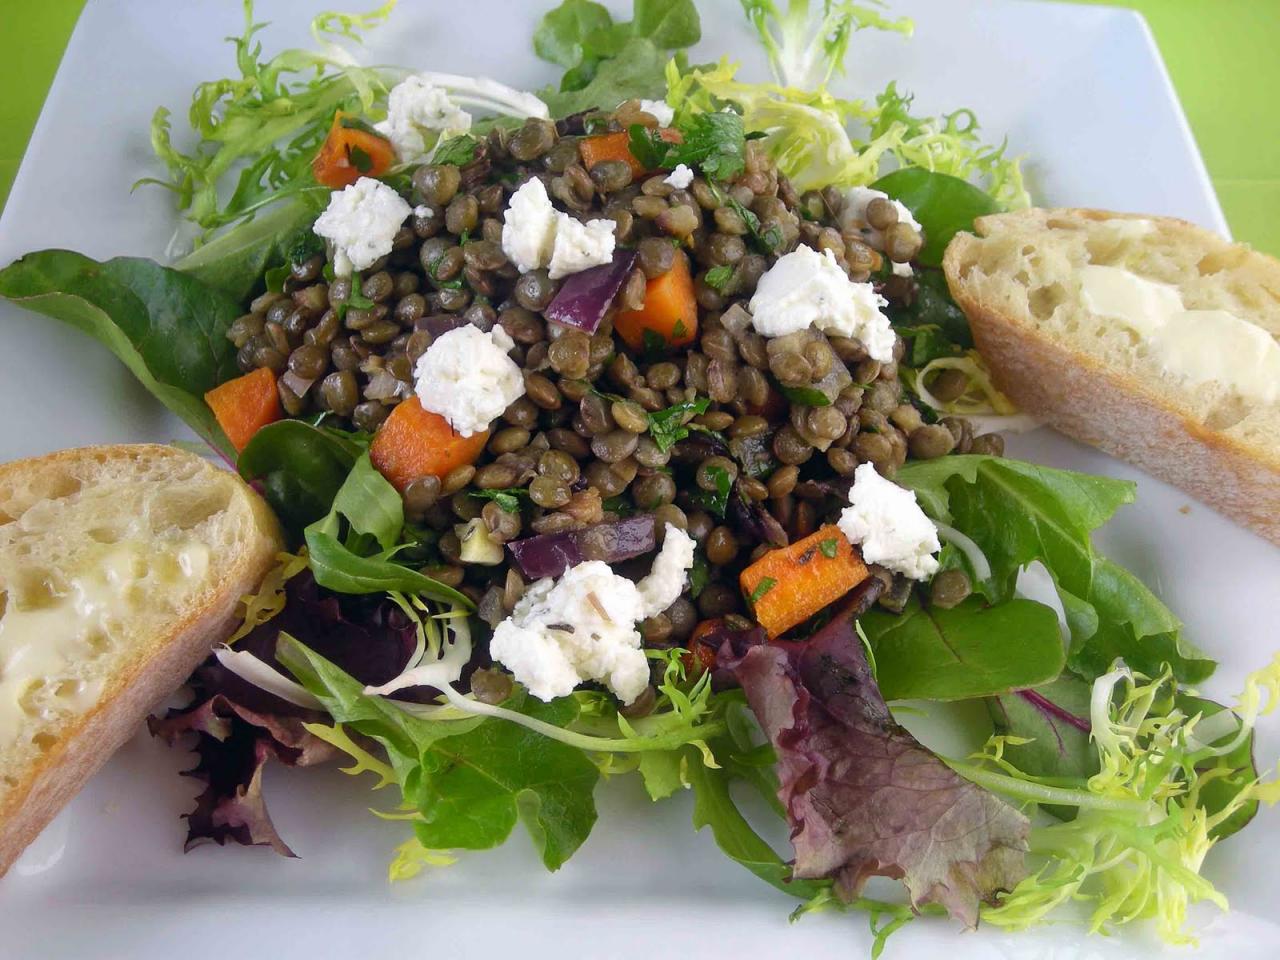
(551, 554)
(441, 323)
(585, 297)
(753, 521)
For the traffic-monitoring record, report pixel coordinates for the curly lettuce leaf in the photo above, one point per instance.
(167, 327)
(266, 125)
(1017, 513)
(843, 763)
(1145, 820)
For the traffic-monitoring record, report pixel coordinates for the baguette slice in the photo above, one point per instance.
(120, 566)
(1017, 281)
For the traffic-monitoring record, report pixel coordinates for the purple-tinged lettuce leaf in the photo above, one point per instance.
(234, 744)
(863, 797)
(240, 727)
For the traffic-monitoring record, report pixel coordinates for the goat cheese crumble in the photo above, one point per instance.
(536, 235)
(885, 521)
(419, 113)
(583, 626)
(467, 378)
(361, 222)
(580, 245)
(680, 177)
(806, 288)
(660, 110)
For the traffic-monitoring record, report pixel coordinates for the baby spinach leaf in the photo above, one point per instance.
(637, 71)
(370, 504)
(168, 328)
(973, 650)
(342, 570)
(1055, 718)
(670, 24)
(944, 205)
(562, 33)
(1018, 512)
(234, 262)
(1239, 769)
(300, 467)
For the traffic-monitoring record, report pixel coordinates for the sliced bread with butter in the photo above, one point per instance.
(1148, 337)
(120, 566)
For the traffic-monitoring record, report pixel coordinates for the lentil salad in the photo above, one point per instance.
(740, 466)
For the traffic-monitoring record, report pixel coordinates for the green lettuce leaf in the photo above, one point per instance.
(469, 781)
(1020, 512)
(167, 327)
(635, 72)
(973, 650)
(300, 467)
(234, 262)
(944, 205)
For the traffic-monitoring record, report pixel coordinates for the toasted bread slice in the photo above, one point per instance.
(1018, 280)
(120, 567)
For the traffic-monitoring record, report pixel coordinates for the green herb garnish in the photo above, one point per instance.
(458, 151)
(667, 427)
(508, 498)
(829, 547)
(715, 501)
(717, 277)
(712, 142)
(764, 586)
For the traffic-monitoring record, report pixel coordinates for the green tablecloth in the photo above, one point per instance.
(1222, 54)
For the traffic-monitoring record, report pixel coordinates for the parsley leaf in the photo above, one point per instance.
(458, 151)
(712, 142)
(829, 547)
(715, 501)
(667, 427)
(764, 586)
(508, 499)
(718, 277)
(699, 575)
(359, 159)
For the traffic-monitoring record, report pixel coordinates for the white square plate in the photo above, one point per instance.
(1080, 90)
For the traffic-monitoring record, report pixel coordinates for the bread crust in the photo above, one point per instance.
(89, 739)
(1083, 397)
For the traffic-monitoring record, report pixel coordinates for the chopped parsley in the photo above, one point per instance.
(458, 151)
(359, 159)
(712, 142)
(764, 586)
(829, 547)
(654, 343)
(718, 277)
(508, 498)
(667, 427)
(715, 501)
(699, 575)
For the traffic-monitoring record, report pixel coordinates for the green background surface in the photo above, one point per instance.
(1224, 56)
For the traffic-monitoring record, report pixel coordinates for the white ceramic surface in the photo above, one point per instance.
(1080, 90)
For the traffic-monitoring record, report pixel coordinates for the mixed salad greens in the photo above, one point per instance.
(1105, 779)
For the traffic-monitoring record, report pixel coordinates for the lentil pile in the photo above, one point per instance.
(577, 449)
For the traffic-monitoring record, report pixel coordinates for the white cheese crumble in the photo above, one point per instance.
(579, 245)
(680, 177)
(467, 378)
(889, 526)
(423, 211)
(583, 626)
(420, 113)
(806, 288)
(361, 222)
(660, 110)
(536, 235)
(529, 227)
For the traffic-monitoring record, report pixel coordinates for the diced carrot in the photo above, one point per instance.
(351, 151)
(413, 443)
(245, 405)
(617, 146)
(701, 657)
(789, 585)
(669, 316)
